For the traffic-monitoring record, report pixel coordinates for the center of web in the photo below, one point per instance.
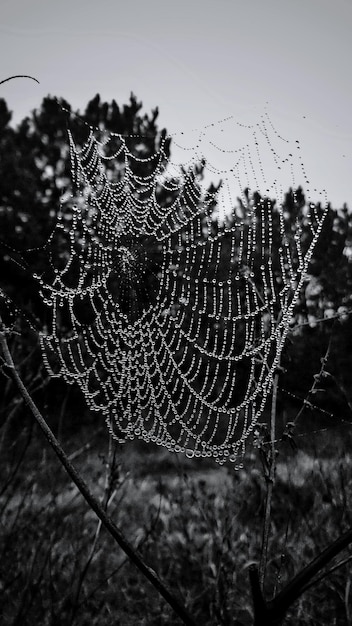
(134, 278)
(128, 262)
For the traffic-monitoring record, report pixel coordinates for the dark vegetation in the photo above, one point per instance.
(198, 525)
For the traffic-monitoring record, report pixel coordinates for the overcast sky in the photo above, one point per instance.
(199, 61)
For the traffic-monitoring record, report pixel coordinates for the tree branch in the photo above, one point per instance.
(94, 504)
(18, 76)
(272, 613)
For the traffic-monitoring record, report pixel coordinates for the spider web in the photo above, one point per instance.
(170, 321)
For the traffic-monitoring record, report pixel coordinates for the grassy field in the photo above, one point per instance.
(198, 525)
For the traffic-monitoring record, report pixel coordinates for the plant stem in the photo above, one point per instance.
(94, 504)
(270, 479)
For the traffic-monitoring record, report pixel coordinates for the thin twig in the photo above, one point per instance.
(317, 380)
(327, 573)
(18, 76)
(270, 479)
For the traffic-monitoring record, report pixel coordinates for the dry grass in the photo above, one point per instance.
(198, 525)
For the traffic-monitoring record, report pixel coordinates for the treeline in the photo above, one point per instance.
(34, 172)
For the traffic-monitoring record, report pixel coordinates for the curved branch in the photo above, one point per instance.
(19, 76)
(92, 501)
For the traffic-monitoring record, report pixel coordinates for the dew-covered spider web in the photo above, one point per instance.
(169, 304)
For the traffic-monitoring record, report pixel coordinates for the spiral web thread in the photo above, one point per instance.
(172, 324)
